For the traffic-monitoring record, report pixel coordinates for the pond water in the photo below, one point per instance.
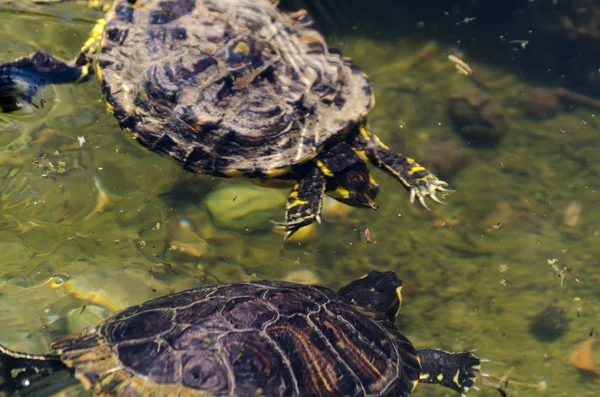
(91, 222)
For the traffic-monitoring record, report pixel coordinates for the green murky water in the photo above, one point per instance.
(90, 222)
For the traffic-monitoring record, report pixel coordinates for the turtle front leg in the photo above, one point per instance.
(21, 79)
(457, 371)
(304, 203)
(419, 181)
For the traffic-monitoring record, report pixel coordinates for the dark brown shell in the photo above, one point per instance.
(269, 338)
(227, 85)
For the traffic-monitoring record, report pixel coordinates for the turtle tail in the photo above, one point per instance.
(29, 374)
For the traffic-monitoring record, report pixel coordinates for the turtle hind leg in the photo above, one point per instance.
(348, 178)
(304, 203)
(419, 181)
(21, 79)
(457, 371)
(22, 371)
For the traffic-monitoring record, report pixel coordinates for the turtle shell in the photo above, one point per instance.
(227, 85)
(244, 339)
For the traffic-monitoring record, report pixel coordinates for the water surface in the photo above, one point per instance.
(90, 218)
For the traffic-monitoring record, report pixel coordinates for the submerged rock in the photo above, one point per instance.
(549, 324)
(245, 207)
(477, 118)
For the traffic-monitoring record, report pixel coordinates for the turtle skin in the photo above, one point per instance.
(234, 88)
(256, 338)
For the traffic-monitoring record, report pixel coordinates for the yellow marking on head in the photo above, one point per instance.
(414, 385)
(424, 376)
(399, 295)
(440, 377)
(365, 134)
(361, 154)
(326, 171)
(340, 193)
(296, 203)
(416, 169)
(293, 195)
(378, 141)
(232, 173)
(410, 160)
(276, 172)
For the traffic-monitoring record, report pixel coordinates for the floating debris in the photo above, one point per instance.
(504, 381)
(466, 21)
(522, 43)
(553, 263)
(572, 214)
(367, 234)
(583, 357)
(460, 65)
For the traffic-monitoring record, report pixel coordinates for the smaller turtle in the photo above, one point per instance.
(248, 339)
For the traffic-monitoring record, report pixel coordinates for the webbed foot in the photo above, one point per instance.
(456, 371)
(418, 180)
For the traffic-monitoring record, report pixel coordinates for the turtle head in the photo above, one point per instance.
(378, 292)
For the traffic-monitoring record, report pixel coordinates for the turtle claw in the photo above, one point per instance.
(437, 200)
(422, 201)
(292, 227)
(427, 188)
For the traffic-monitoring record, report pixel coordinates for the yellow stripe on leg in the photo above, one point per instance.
(297, 203)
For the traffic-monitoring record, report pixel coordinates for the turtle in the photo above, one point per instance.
(269, 338)
(233, 88)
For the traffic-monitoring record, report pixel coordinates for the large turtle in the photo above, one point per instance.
(233, 88)
(247, 339)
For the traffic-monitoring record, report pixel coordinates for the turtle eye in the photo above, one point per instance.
(57, 281)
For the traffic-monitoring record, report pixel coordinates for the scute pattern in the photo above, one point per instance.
(227, 84)
(244, 339)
